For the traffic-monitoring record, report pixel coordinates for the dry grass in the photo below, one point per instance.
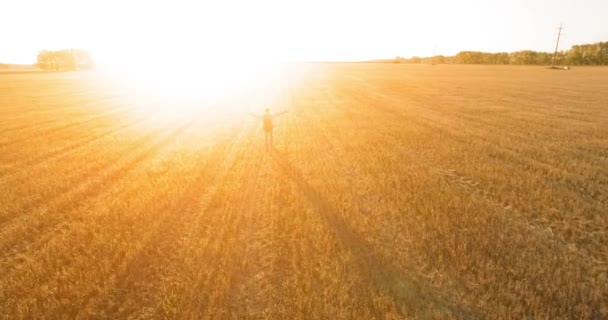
(394, 192)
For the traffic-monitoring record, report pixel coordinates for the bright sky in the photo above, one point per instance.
(184, 31)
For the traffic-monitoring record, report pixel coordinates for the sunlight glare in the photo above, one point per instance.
(181, 91)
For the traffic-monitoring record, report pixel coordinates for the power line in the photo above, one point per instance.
(559, 34)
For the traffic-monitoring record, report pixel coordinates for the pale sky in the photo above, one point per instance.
(179, 30)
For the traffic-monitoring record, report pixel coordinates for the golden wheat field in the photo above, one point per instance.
(392, 192)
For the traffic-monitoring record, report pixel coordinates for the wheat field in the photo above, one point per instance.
(393, 192)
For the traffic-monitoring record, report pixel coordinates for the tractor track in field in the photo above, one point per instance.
(138, 142)
(471, 186)
(156, 232)
(188, 252)
(107, 168)
(163, 246)
(226, 246)
(66, 150)
(76, 124)
(508, 213)
(251, 282)
(85, 189)
(29, 125)
(468, 185)
(378, 271)
(63, 108)
(446, 117)
(575, 180)
(371, 206)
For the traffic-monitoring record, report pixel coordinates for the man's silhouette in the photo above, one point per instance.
(267, 125)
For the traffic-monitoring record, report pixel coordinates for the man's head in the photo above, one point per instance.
(267, 110)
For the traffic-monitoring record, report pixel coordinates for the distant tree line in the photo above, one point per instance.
(64, 60)
(3, 66)
(586, 54)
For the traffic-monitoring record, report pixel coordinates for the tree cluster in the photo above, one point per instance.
(586, 54)
(64, 60)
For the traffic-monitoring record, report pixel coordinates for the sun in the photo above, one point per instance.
(180, 90)
(188, 65)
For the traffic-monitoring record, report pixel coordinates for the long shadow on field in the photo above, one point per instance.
(378, 271)
(162, 246)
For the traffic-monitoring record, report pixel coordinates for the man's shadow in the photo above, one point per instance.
(373, 267)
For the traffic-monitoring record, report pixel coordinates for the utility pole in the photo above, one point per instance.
(559, 34)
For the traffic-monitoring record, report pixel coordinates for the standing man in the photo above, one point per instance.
(267, 125)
